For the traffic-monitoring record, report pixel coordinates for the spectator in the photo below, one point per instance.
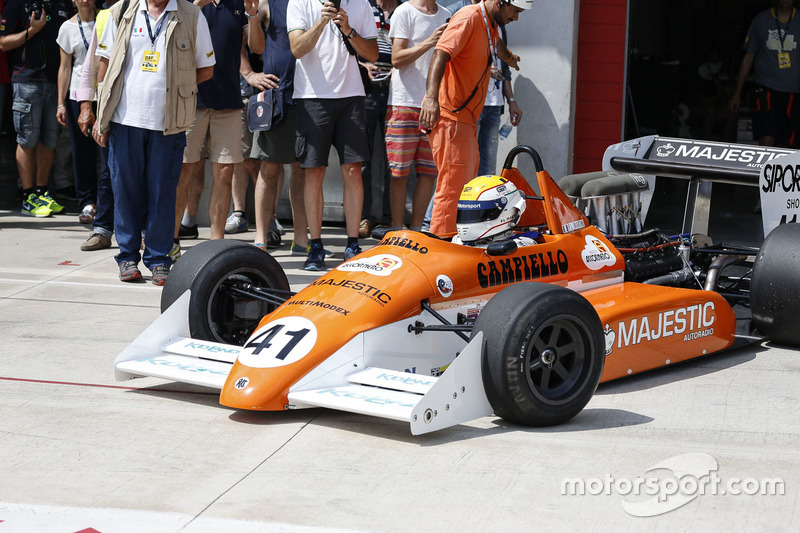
(276, 147)
(73, 38)
(218, 118)
(5, 79)
(103, 229)
(146, 101)
(417, 27)
(330, 96)
(30, 30)
(456, 90)
(771, 47)
(375, 104)
(246, 171)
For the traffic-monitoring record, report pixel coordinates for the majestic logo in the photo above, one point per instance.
(596, 254)
(693, 322)
(377, 265)
(370, 291)
(445, 285)
(522, 268)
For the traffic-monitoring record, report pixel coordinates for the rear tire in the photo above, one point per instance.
(543, 353)
(210, 269)
(775, 287)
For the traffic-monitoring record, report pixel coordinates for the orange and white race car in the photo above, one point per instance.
(434, 333)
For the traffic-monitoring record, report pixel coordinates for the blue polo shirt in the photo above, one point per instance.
(277, 56)
(226, 22)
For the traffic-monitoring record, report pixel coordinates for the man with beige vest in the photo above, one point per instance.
(153, 53)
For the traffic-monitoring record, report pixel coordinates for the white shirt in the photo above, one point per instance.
(407, 87)
(71, 41)
(328, 71)
(143, 101)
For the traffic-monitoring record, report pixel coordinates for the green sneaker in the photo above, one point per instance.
(51, 204)
(34, 207)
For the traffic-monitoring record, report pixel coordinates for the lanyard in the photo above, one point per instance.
(782, 34)
(492, 48)
(83, 35)
(158, 28)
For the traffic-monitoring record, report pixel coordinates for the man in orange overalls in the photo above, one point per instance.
(458, 79)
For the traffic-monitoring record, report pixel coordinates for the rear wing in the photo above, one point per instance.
(702, 163)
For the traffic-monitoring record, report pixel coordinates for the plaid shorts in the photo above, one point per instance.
(406, 145)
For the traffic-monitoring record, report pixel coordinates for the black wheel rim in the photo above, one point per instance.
(558, 360)
(233, 317)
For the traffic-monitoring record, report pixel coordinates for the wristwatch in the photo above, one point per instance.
(352, 33)
(512, 99)
(251, 16)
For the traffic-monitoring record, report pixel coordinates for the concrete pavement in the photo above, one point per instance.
(79, 450)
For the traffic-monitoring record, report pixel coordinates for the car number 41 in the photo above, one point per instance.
(280, 342)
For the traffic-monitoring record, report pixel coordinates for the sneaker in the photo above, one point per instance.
(34, 207)
(48, 200)
(87, 215)
(96, 242)
(236, 223)
(315, 259)
(128, 271)
(351, 251)
(273, 238)
(160, 273)
(296, 249)
(277, 226)
(365, 229)
(175, 253)
(188, 232)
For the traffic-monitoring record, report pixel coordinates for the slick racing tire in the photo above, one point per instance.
(543, 353)
(775, 286)
(213, 270)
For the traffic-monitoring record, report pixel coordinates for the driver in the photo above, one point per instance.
(488, 210)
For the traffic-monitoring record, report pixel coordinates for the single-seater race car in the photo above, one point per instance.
(435, 333)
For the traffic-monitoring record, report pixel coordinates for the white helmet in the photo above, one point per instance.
(488, 206)
(522, 4)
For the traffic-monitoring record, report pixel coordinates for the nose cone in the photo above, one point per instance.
(275, 356)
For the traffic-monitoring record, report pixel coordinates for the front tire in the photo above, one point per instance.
(212, 270)
(543, 353)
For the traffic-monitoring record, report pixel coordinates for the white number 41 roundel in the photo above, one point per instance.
(281, 342)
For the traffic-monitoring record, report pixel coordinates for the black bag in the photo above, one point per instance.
(265, 109)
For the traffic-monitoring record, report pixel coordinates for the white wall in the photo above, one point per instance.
(545, 38)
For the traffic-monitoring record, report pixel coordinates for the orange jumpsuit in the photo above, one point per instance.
(454, 139)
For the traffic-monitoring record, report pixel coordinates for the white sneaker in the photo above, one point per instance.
(236, 223)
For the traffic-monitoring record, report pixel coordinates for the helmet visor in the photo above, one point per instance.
(472, 212)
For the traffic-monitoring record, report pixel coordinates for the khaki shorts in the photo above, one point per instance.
(220, 130)
(247, 135)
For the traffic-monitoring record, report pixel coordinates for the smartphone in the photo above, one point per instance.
(337, 4)
(448, 20)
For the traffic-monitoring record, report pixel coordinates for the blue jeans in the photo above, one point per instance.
(104, 219)
(34, 109)
(145, 166)
(488, 137)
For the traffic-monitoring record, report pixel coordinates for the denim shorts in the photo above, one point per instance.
(34, 108)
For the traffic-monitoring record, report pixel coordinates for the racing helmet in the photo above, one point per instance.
(489, 206)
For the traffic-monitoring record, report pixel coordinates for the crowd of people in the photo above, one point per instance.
(150, 89)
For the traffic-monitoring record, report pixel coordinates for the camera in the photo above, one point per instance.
(36, 7)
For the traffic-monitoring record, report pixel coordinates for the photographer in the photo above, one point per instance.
(30, 29)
